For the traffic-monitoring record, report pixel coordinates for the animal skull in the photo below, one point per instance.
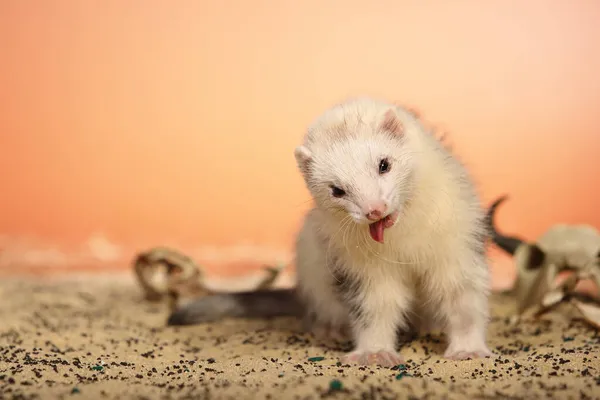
(164, 272)
(563, 247)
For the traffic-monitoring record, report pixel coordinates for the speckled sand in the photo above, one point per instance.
(99, 339)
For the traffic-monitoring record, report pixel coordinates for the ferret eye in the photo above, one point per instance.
(384, 166)
(337, 192)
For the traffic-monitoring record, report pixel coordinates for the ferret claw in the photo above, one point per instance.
(467, 354)
(383, 358)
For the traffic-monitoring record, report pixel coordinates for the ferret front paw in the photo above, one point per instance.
(467, 354)
(383, 358)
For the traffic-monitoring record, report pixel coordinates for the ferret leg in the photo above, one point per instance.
(377, 313)
(466, 315)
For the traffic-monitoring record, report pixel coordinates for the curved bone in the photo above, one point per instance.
(590, 312)
(507, 243)
(165, 272)
(535, 276)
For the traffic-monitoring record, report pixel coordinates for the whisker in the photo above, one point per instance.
(364, 240)
(303, 203)
(343, 224)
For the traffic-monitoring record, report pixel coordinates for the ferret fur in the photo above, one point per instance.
(431, 270)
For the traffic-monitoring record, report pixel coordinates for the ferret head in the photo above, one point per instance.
(357, 162)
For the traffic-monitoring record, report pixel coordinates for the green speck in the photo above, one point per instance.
(316, 358)
(281, 375)
(526, 348)
(338, 364)
(399, 367)
(75, 391)
(335, 385)
(568, 339)
(186, 370)
(97, 367)
(402, 375)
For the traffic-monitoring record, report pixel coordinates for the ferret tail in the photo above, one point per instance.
(507, 243)
(251, 304)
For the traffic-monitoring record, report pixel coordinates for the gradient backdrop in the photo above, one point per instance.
(126, 124)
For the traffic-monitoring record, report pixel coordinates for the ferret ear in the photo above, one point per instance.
(303, 158)
(392, 124)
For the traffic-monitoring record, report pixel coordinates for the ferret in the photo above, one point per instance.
(395, 241)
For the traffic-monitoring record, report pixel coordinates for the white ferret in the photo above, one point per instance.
(396, 240)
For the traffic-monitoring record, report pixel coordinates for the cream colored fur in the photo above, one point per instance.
(432, 265)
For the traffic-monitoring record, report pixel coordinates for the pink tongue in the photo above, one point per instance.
(376, 230)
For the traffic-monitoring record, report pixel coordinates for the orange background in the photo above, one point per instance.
(127, 124)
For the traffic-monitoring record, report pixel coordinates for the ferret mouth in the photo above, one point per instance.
(376, 228)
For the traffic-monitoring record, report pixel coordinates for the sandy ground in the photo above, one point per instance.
(97, 338)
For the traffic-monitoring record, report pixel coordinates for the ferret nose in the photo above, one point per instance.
(376, 211)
